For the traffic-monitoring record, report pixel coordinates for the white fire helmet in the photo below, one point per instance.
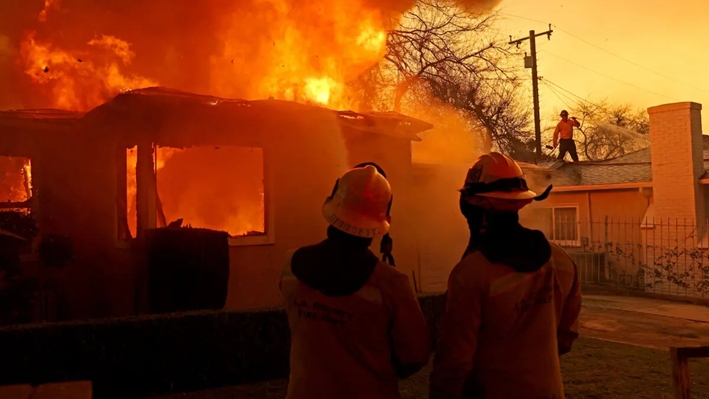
(360, 203)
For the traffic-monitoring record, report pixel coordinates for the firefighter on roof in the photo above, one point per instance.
(564, 136)
(513, 301)
(356, 325)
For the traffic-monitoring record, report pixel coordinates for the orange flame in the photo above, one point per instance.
(80, 84)
(16, 178)
(314, 49)
(161, 155)
(305, 61)
(47, 5)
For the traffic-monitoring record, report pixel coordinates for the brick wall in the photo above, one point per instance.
(677, 161)
(678, 198)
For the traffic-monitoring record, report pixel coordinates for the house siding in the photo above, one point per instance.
(603, 216)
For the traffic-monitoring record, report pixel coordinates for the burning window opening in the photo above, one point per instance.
(219, 188)
(15, 180)
(15, 198)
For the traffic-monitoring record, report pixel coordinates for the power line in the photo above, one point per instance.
(551, 89)
(557, 27)
(525, 18)
(610, 77)
(632, 62)
(582, 100)
(531, 62)
(558, 94)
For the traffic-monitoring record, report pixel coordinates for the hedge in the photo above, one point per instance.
(175, 352)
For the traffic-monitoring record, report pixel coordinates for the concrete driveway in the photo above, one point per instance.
(643, 321)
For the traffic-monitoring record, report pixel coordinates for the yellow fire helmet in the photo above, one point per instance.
(495, 175)
(360, 202)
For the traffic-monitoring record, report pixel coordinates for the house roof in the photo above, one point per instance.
(172, 109)
(38, 118)
(634, 167)
(21, 130)
(161, 108)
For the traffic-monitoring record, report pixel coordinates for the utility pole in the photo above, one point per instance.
(531, 62)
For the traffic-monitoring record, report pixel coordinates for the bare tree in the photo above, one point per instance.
(436, 40)
(611, 130)
(496, 109)
(454, 56)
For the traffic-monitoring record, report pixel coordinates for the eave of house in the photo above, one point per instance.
(22, 130)
(603, 187)
(165, 112)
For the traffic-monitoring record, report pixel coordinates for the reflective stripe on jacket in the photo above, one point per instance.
(502, 329)
(350, 346)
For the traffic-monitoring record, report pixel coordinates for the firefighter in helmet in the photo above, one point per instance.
(513, 301)
(356, 325)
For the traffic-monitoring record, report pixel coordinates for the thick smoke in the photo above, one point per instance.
(218, 46)
(236, 49)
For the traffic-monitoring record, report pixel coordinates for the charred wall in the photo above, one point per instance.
(303, 159)
(74, 195)
(79, 175)
(303, 165)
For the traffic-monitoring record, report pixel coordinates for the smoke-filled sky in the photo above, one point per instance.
(602, 48)
(658, 37)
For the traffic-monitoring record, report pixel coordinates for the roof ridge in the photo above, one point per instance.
(595, 163)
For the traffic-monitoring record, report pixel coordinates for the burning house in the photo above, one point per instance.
(124, 164)
(258, 170)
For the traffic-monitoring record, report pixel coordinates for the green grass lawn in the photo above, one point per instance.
(593, 370)
(599, 369)
(605, 370)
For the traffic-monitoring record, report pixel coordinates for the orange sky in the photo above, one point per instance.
(668, 37)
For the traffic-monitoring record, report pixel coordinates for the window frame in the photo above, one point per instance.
(31, 204)
(268, 238)
(565, 243)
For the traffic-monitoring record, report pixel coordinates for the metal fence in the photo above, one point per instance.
(668, 257)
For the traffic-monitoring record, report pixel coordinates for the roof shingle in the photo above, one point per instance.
(635, 167)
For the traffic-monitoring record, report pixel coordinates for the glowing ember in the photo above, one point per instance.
(77, 83)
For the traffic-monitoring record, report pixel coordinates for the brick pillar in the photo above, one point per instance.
(677, 162)
(678, 199)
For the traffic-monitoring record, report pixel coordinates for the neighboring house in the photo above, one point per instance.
(595, 210)
(631, 205)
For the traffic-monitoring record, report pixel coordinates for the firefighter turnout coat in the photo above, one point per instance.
(356, 325)
(507, 320)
